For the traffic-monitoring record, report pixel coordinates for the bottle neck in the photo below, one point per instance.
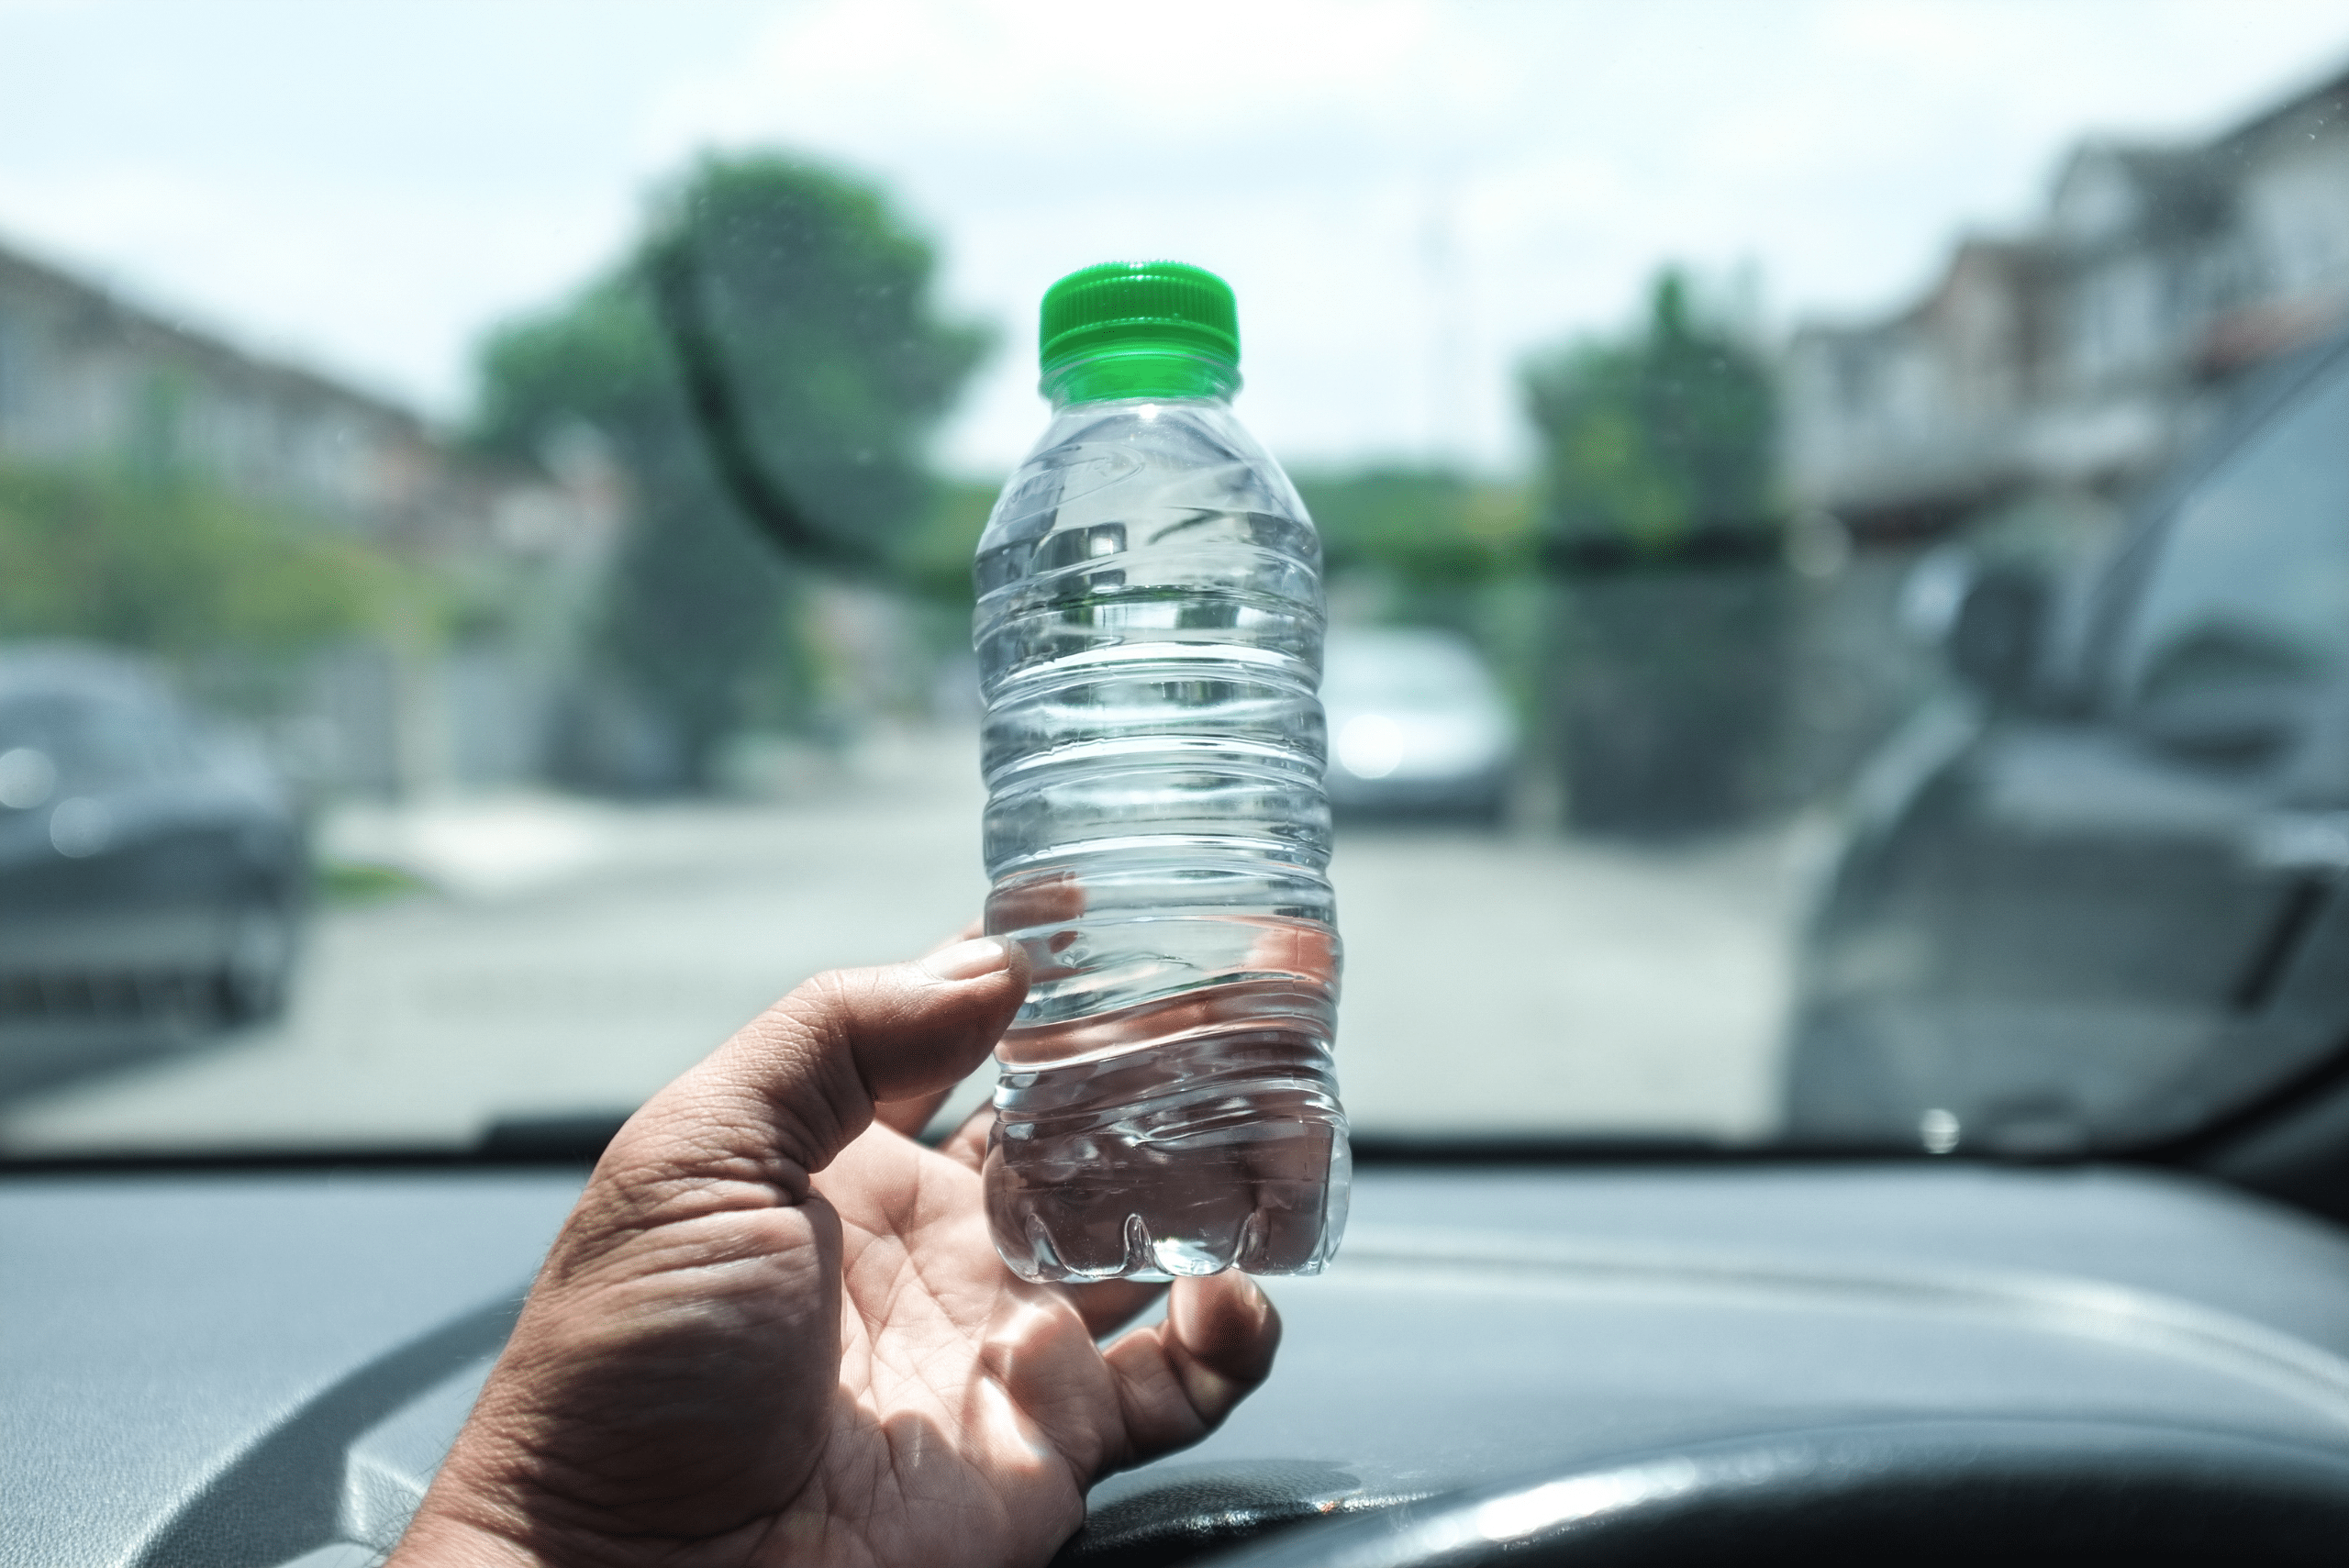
(1139, 370)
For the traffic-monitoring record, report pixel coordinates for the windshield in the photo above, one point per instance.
(488, 497)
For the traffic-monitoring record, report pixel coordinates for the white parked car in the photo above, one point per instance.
(1418, 726)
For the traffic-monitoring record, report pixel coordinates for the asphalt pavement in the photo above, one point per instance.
(563, 957)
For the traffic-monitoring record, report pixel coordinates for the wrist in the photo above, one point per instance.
(470, 1521)
(460, 1525)
(434, 1540)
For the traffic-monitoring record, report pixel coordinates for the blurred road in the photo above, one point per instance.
(573, 956)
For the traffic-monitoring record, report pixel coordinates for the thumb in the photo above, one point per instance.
(798, 1083)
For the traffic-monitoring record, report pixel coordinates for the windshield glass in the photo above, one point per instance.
(488, 497)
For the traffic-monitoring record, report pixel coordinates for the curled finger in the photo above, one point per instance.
(1178, 1378)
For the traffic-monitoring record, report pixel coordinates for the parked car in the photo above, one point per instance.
(1416, 726)
(146, 866)
(2093, 897)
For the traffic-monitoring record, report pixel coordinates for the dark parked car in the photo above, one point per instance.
(146, 867)
(2093, 898)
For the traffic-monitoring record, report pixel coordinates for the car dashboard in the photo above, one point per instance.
(264, 1366)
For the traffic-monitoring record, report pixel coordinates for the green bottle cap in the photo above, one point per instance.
(1140, 312)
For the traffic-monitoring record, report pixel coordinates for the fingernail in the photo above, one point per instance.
(968, 961)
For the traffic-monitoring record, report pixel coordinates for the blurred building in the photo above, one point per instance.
(88, 378)
(2084, 354)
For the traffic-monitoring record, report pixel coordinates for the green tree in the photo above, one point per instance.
(1658, 441)
(1425, 527)
(1666, 642)
(819, 297)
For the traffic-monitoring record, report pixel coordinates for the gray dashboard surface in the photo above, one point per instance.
(157, 1330)
(254, 1368)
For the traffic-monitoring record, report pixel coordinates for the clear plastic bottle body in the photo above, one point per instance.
(1149, 635)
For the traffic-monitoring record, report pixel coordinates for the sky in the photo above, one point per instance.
(1408, 196)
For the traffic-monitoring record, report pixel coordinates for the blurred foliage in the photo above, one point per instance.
(934, 557)
(843, 364)
(168, 566)
(1659, 438)
(349, 884)
(1661, 687)
(1430, 528)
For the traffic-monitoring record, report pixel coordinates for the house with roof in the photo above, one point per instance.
(2084, 354)
(87, 375)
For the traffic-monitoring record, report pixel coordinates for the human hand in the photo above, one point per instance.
(775, 1329)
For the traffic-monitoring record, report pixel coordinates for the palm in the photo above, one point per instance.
(727, 1361)
(972, 1407)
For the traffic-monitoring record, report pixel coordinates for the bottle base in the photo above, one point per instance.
(1086, 1236)
(1233, 1154)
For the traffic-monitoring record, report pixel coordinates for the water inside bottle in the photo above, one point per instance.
(1149, 634)
(1181, 1156)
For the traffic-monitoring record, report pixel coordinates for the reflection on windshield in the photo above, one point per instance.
(1750, 742)
(2253, 584)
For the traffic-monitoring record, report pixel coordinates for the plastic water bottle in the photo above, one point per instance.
(1149, 636)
